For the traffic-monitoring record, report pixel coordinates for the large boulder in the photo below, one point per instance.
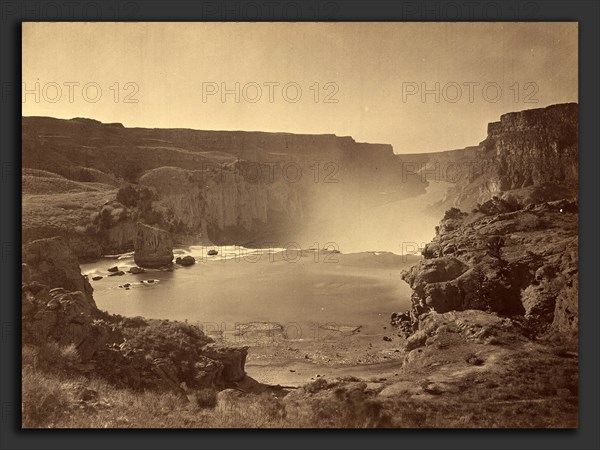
(435, 271)
(186, 260)
(153, 246)
(232, 358)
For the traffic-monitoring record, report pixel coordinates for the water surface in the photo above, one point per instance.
(297, 290)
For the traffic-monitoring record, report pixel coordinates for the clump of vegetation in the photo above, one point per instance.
(143, 199)
(130, 171)
(135, 195)
(108, 216)
(454, 213)
(178, 343)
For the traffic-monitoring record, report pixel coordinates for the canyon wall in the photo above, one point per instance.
(530, 155)
(222, 207)
(224, 187)
(512, 247)
(92, 182)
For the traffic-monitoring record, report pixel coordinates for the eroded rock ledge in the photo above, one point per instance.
(57, 306)
(520, 264)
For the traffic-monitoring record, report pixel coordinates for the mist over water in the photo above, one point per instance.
(280, 283)
(397, 226)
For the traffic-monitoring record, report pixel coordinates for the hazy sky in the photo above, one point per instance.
(375, 71)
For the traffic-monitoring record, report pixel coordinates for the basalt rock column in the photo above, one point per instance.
(153, 246)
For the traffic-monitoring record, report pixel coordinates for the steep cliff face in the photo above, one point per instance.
(223, 207)
(67, 146)
(57, 307)
(530, 155)
(535, 147)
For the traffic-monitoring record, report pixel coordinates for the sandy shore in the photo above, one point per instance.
(367, 357)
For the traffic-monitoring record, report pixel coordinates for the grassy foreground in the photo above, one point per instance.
(53, 397)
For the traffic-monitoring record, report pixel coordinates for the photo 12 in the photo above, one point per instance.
(299, 225)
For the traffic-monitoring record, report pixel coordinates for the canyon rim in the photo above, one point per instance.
(300, 225)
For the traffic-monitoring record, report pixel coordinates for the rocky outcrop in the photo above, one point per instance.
(129, 352)
(476, 326)
(512, 250)
(520, 264)
(64, 317)
(51, 262)
(153, 246)
(232, 358)
(529, 156)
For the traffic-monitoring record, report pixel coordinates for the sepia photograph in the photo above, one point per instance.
(299, 225)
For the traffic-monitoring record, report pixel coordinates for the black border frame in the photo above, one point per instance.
(12, 13)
